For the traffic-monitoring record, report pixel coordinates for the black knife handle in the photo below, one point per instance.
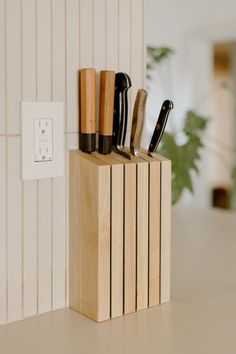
(166, 107)
(122, 84)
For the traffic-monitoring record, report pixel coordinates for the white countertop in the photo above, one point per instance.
(200, 319)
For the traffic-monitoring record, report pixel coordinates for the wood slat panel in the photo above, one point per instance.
(142, 235)
(112, 9)
(165, 229)
(59, 184)
(124, 52)
(154, 233)
(99, 46)
(117, 201)
(2, 69)
(86, 32)
(3, 235)
(29, 187)
(44, 76)
(13, 65)
(72, 64)
(14, 230)
(89, 236)
(130, 239)
(136, 49)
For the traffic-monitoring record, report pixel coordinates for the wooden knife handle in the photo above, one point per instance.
(106, 110)
(87, 95)
(137, 121)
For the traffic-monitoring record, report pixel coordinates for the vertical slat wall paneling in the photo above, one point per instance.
(124, 52)
(112, 7)
(72, 13)
(14, 230)
(44, 93)
(99, 45)
(117, 187)
(58, 37)
(142, 235)
(2, 68)
(59, 184)
(29, 187)
(86, 32)
(13, 65)
(136, 48)
(72, 63)
(144, 43)
(165, 228)
(3, 241)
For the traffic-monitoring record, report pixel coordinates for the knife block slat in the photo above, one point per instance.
(119, 247)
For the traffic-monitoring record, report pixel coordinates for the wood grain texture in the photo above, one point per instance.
(90, 263)
(154, 233)
(165, 229)
(87, 91)
(142, 235)
(117, 241)
(130, 238)
(3, 233)
(106, 106)
(130, 199)
(154, 221)
(117, 229)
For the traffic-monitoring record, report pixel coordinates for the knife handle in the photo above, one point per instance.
(87, 122)
(122, 85)
(166, 107)
(106, 111)
(137, 121)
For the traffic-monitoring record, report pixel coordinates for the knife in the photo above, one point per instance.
(122, 85)
(106, 111)
(137, 121)
(167, 106)
(87, 109)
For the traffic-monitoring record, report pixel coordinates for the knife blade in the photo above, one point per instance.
(122, 85)
(87, 109)
(106, 111)
(137, 121)
(166, 108)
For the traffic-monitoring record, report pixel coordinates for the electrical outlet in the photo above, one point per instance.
(43, 140)
(43, 148)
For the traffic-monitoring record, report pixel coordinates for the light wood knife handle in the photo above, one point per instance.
(106, 110)
(87, 95)
(88, 100)
(137, 121)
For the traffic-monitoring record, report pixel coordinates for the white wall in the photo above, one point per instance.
(189, 27)
(42, 45)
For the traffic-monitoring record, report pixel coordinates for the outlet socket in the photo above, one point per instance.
(43, 151)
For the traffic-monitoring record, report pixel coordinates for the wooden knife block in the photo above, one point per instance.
(119, 233)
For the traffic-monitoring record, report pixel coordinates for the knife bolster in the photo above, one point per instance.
(87, 142)
(105, 144)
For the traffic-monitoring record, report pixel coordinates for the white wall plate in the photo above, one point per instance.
(43, 152)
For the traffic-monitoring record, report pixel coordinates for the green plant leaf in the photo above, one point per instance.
(184, 157)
